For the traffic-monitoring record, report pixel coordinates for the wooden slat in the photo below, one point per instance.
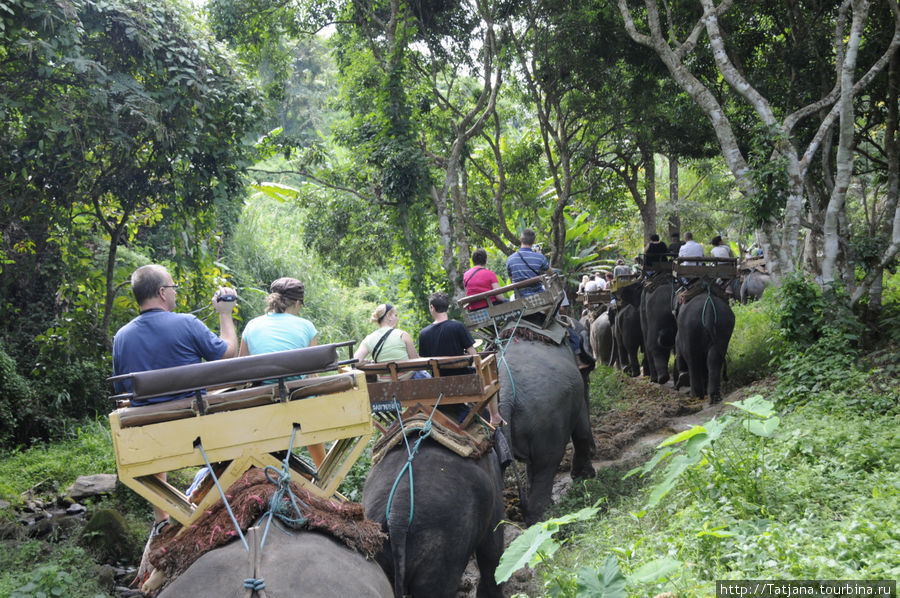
(458, 389)
(510, 287)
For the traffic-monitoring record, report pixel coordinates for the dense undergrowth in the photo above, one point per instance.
(814, 495)
(815, 499)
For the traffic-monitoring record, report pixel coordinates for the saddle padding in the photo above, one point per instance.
(266, 366)
(476, 440)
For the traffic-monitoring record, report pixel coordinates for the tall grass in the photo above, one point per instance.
(753, 341)
(266, 245)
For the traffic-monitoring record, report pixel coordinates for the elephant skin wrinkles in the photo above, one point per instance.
(457, 506)
(293, 563)
(544, 405)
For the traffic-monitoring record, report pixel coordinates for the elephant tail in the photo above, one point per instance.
(715, 344)
(398, 529)
(666, 338)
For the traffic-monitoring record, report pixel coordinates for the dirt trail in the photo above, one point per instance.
(646, 414)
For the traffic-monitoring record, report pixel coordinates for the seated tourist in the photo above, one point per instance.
(479, 279)
(387, 343)
(281, 329)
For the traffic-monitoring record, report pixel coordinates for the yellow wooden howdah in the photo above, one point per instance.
(241, 439)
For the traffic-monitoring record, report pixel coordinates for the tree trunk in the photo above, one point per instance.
(891, 215)
(674, 218)
(834, 212)
(648, 215)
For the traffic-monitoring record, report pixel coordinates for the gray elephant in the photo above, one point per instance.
(754, 285)
(627, 330)
(658, 324)
(541, 398)
(456, 507)
(602, 339)
(292, 564)
(705, 324)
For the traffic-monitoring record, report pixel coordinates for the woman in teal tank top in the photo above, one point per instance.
(281, 329)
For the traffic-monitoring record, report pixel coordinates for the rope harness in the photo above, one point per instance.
(287, 511)
(424, 433)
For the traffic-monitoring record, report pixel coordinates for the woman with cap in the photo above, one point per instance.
(281, 329)
(387, 343)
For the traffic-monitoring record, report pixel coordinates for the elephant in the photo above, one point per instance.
(541, 398)
(705, 324)
(602, 339)
(457, 507)
(293, 563)
(627, 330)
(754, 285)
(658, 324)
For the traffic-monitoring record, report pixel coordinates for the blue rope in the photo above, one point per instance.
(256, 585)
(277, 506)
(424, 433)
(224, 500)
(503, 347)
(708, 301)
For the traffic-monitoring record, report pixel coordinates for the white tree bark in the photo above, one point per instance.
(781, 239)
(847, 129)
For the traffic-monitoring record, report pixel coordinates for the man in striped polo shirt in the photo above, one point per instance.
(526, 263)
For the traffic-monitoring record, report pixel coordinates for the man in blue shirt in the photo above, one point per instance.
(159, 338)
(526, 263)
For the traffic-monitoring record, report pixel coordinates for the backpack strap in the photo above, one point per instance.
(377, 349)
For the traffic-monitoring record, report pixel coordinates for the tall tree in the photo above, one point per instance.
(131, 112)
(771, 164)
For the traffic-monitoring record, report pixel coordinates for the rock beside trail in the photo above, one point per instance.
(92, 485)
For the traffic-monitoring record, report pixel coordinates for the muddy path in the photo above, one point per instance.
(642, 415)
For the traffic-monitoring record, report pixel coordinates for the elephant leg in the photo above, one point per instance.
(582, 445)
(487, 555)
(714, 369)
(659, 364)
(540, 487)
(698, 376)
(586, 379)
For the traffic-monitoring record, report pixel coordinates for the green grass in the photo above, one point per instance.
(54, 466)
(831, 480)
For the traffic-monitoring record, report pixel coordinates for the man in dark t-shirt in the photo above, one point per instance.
(448, 338)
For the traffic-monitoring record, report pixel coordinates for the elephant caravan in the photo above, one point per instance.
(679, 307)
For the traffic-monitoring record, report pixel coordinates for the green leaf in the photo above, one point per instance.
(534, 541)
(756, 405)
(521, 551)
(682, 436)
(606, 583)
(655, 571)
(764, 428)
(716, 533)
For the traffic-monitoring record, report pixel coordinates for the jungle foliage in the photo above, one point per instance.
(391, 145)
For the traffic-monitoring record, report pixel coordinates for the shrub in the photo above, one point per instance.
(266, 245)
(751, 346)
(19, 413)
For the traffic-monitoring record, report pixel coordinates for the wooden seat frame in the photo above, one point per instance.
(546, 302)
(241, 438)
(706, 267)
(387, 397)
